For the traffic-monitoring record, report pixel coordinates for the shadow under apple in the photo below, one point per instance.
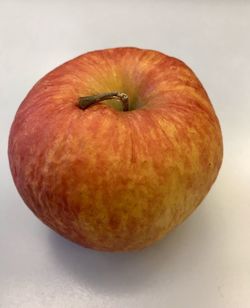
(126, 273)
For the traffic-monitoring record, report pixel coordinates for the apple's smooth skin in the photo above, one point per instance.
(108, 179)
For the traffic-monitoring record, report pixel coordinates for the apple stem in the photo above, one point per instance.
(86, 101)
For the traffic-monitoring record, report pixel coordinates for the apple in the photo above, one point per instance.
(116, 147)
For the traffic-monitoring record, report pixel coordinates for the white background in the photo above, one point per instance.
(203, 263)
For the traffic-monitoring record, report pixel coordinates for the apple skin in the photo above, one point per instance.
(112, 180)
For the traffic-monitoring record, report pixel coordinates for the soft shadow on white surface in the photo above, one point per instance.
(126, 273)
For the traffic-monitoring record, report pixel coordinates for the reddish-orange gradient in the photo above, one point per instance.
(113, 180)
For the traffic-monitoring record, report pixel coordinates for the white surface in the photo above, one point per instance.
(203, 263)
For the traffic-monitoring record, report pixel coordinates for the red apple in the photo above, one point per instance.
(106, 177)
